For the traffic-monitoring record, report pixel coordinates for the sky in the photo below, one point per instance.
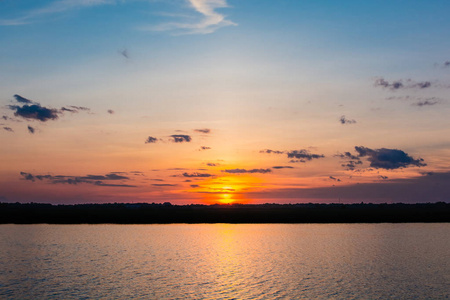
(224, 101)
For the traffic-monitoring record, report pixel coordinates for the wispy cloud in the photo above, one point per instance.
(302, 155)
(203, 130)
(55, 7)
(208, 22)
(98, 180)
(402, 84)
(242, 171)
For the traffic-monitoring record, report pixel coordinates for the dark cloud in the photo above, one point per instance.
(27, 176)
(8, 129)
(21, 99)
(352, 160)
(69, 110)
(282, 167)
(194, 186)
(74, 109)
(31, 110)
(296, 156)
(334, 178)
(110, 176)
(383, 177)
(163, 184)
(447, 64)
(303, 154)
(344, 120)
(395, 85)
(204, 148)
(31, 129)
(388, 158)
(180, 138)
(241, 171)
(151, 140)
(74, 180)
(400, 84)
(100, 183)
(110, 111)
(427, 102)
(347, 155)
(199, 175)
(35, 111)
(351, 164)
(204, 130)
(212, 164)
(421, 85)
(269, 151)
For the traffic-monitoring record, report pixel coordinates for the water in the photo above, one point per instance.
(268, 261)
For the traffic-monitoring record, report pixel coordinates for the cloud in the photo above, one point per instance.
(31, 129)
(202, 148)
(52, 8)
(351, 164)
(21, 99)
(388, 158)
(242, 171)
(269, 151)
(427, 102)
(400, 84)
(180, 138)
(6, 118)
(334, 178)
(343, 120)
(74, 109)
(110, 111)
(8, 129)
(194, 186)
(110, 176)
(204, 130)
(282, 167)
(163, 184)
(32, 110)
(98, 180)
(212, 164)
(27, 176)
(151, 140)
(303, 154)
(352, 160)
(198, 175)
(35, 111)
(297, 156)
(209, 21)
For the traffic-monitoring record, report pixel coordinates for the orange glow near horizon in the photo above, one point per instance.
(228, 189)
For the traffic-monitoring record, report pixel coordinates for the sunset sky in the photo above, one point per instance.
(224, 101)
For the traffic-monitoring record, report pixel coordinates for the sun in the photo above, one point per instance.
(226, 199)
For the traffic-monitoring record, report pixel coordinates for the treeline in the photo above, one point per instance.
(143, 213)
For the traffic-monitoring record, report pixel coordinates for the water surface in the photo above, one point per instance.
(222, 261)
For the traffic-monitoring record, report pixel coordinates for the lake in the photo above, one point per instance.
(224, 261)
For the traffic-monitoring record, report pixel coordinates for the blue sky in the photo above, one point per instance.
(260, 75)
